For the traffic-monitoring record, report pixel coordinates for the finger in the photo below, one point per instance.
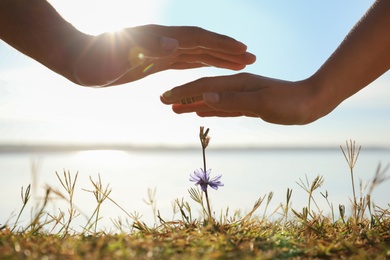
(191, 63)
(244, 102)
(217, 59)
(219, 114)
(215, 113)
(202, 110)
(208, 84)
(190, 108)
(195, 58)
(206, 62)
(205, 110)
(197, 61)
(243, 58)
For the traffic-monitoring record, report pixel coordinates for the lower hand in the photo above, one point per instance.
(274, 101)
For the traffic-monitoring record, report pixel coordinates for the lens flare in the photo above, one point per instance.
(147, 68)
(136, 56)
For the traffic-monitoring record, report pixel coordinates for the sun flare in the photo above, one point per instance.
(115, 158)
(95, 17)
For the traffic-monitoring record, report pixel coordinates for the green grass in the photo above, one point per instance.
(284, 232)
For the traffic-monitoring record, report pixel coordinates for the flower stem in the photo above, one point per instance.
(204, 159)
(205, 192)
(204, 140)
(208, 204)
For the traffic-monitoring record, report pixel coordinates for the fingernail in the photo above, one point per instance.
(169, 44)
(211, 97)
(167, 94)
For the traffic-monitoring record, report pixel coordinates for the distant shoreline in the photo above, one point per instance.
(44, 148)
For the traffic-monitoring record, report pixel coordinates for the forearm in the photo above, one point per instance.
(361, 58)
(36, 29)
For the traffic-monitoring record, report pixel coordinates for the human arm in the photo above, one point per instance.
(36, 29)
(362, 57)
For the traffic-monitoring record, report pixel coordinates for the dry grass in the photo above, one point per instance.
(306, 233)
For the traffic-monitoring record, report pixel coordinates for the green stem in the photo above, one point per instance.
(208, 203)
(17, 219)
(354, 194)
(206, 193)
(204, 158)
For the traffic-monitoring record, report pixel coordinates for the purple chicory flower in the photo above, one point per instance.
(202, 178)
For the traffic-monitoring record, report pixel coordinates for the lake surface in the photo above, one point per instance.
(247, 174)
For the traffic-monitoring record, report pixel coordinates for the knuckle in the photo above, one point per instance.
(196, 29)
(243, 75)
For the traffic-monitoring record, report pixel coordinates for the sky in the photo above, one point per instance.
(291, 40)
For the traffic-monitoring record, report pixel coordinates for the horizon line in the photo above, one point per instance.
(61, 147)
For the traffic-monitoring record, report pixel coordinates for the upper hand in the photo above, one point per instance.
(133, 53)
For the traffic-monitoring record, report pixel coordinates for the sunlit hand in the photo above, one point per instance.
(133, 53)
(275, 101)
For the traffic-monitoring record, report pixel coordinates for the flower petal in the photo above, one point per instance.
(207, 174)
(215, 185)
(200, 174)
(194, 178)
(217, 178)
(202, 178)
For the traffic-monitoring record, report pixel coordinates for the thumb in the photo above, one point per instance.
(238, 103)
(226, 101)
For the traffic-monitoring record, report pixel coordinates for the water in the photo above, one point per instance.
(247, 174)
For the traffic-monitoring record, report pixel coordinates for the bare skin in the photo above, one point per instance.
(362, 57)
(36, 29)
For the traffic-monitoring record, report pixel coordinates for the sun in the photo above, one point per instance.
(111, 158)
(97, 16)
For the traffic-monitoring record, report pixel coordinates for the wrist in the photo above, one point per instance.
(322, 99)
